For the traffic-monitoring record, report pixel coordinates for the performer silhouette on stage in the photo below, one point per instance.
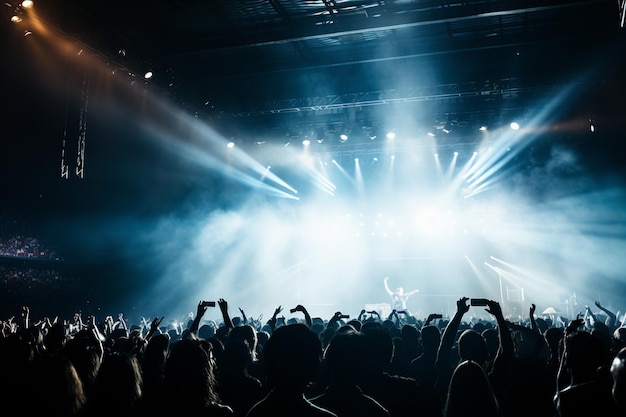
(398, 297)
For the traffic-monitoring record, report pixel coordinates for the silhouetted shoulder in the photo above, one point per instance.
(220, 410)
(272, 407)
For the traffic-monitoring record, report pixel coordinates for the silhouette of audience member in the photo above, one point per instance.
(16, 354)
(445, 364)
(581, 361)
(56, 337)
(236, 387)
(117, 390)
(292, 358)
(153, 371)
(473, 346)
(618, 375)
(470, 393)
(190, 384)
(401, 396)
(422, 368)
(611, 319)
(406, 348)
(248, 334)
(531, 390)
(619, 339)
(490, 335)
(85, 351)
(53, 389)
(343, 357)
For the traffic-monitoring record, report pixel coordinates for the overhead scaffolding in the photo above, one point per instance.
(81, 134)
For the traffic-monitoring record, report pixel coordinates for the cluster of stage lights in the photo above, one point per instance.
(19, 12)
(390, 136)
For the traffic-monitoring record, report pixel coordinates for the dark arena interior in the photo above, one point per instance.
(284, 152)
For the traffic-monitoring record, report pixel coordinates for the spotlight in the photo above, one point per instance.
(28, 4)
(16, 19)
(514, 125)
(230, 145)
(306, 142)
(148, 75)
(391, 135)
(483, 128)
(343, 137)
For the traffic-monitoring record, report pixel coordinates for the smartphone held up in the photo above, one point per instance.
(478, 302)
(208, 304)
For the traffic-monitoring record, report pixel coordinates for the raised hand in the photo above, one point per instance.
(432, 317)
(461, 305)
(223, 305)
(200, 310)
(156, 322)
(493, 307)
(573, 325)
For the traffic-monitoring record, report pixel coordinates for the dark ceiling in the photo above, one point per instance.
(293, 67)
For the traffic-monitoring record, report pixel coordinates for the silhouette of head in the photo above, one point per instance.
(57, 386)
(472, 346)
(553, 337)
(292, 356)
(431, 336)
(343, 355)
(118, 386)
(189, 373)
(379, 346)
(248, 334)
(584, 354)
